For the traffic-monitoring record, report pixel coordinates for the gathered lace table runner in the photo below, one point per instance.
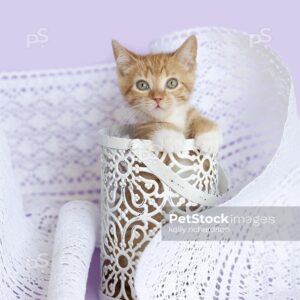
(250, 93)
(51, 120)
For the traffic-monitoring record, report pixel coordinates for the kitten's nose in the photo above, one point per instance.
(157, 99)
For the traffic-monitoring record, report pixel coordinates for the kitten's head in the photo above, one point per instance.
(155, 84)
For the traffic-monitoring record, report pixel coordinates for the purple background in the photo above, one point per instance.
(80, 32)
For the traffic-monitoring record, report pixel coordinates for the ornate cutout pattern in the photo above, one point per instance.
(135, 204)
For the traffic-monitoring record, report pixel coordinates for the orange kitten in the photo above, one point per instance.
(158, 87)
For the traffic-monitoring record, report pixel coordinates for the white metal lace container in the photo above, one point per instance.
(140, 187)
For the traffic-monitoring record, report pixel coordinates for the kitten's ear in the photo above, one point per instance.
(124, 58)
(186, 54)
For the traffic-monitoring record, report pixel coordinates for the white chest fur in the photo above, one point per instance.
(178, 116)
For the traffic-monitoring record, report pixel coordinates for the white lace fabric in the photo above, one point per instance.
(250, 93)
(51, 119)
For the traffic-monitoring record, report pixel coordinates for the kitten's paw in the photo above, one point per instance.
(209, 142)
(168, 140)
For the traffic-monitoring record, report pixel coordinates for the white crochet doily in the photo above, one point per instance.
(51, 119)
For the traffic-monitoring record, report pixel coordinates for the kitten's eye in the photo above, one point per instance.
(142, 85)
(172, 83)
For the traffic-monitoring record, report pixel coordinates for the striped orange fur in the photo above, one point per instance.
(158, 88)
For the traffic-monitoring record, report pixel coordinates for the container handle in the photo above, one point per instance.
(174, 181)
